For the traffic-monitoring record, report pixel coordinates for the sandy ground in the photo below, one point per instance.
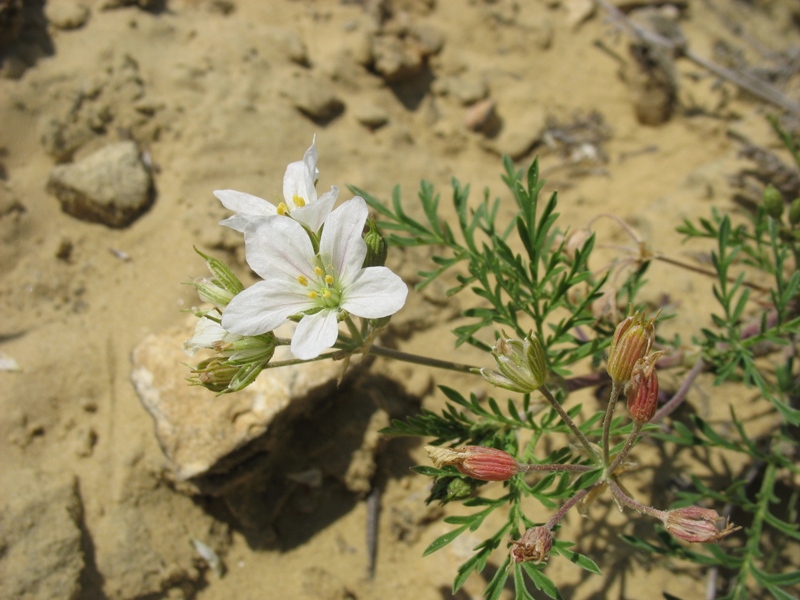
(217, 94)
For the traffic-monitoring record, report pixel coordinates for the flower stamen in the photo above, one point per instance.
(303, 280)
(298, 201)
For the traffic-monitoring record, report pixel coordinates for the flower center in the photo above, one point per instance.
(322, 288)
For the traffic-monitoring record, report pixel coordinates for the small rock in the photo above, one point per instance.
(467, 90)
(200, 433)
(315, 98)
(111, 186)
(395, 61)
(578, 11)
(481, 116)
(402, 55)
(371, 115)
(40, 538)
(67, 15)
(290, 43)
(521, 134)
(84, 441)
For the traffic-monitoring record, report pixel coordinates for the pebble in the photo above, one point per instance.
(67, 15)
(315, 98)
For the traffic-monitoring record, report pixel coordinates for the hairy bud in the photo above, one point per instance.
(533, 546)
(696, 524)
(521, 363)
(642, 390)
(773, 201)
(478, 462)
(632, 340)
(794, 211)
(376, 246)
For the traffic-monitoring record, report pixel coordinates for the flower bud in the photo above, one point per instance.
(642, 390)
(376, 246)
(522, 364)
(478, 462)
(533, 546)
(696, 524)
(794, 211)
(773, 201)
(222, 287)
(210, 292)
(633, 338)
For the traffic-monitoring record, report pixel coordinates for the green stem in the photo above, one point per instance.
(637, 429)
(298, 361)
(354, 330)
(752, 549)
(422, 360)
(569, 422)
(616, 388)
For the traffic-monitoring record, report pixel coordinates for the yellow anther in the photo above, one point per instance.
(302, 279)
(326, 294)
(298, 201)
(283, 209)
(329, 279)
(319, 271)
(312, 295)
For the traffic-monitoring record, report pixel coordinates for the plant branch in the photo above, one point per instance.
(422, 360)
(680, 395)
(569, 422)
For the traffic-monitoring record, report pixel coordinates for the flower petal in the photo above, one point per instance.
(297, 181)
(341, 241)
(206, 332)
(246, 205)
(313, 215)
(376, 293)
(264, 306)
(314, 334)
(310, 159)
(280, 245)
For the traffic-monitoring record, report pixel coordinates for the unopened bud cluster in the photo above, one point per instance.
(238, 359)
(632, 365)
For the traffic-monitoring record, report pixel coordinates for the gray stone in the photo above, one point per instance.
(202, 434)
(111, 186)
(40, 538)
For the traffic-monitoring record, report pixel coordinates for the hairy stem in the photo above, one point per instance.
(569, 422)
(680, 395)
(616, 389)
(620, 495)
(637, 429)
(569, 504)
(528, 467)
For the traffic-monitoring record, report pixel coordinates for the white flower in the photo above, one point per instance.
(319, 286)
(208, 333)
(299, 193)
